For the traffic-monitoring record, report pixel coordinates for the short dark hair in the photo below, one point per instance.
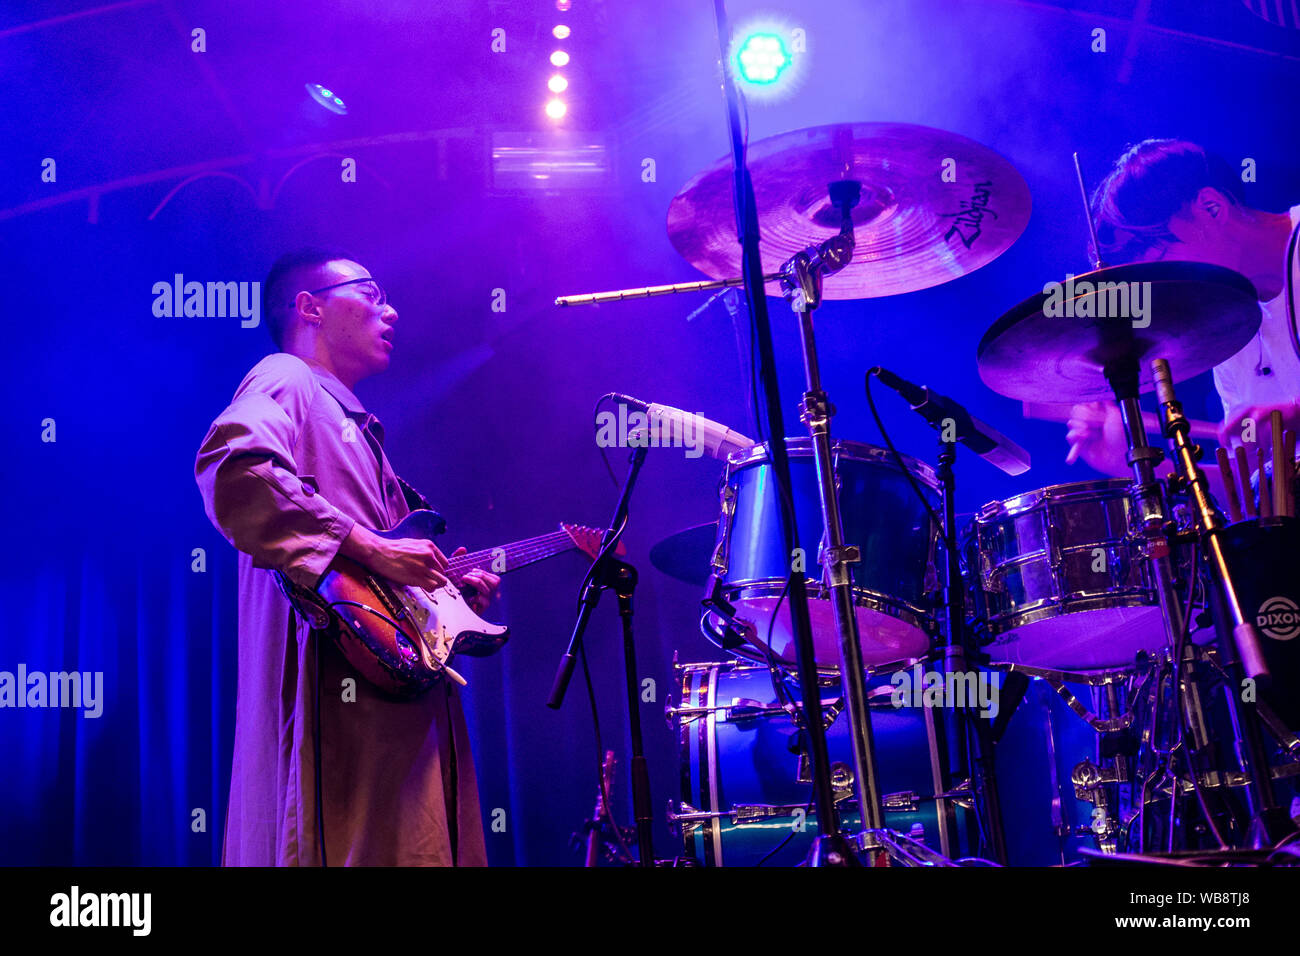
(288, 276)
(1149, 185)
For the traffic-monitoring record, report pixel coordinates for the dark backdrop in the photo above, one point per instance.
(489, 413)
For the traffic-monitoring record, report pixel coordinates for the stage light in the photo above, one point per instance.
(762, 58)
(768, 57)
(327, 98)
(563, 5)
(559, 58)
(556, 109)
(557, 84)
(561, 32)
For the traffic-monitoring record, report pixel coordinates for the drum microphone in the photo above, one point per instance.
(943, 413)
(664, 423)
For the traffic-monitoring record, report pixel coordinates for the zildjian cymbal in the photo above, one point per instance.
(934, 206)
(1057, 345)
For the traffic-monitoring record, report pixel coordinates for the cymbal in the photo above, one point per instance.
(686, 555)
(913, 229)
(1054, 346)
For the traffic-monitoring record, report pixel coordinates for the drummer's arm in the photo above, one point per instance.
(1096, 435)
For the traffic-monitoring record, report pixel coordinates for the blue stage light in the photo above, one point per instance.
(762, 58)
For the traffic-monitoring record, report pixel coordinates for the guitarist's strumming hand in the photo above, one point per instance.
(415, 562)
(479, 586)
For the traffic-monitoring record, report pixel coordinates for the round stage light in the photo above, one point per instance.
(557, 84)
(559, 58)
(556, 109)
(762, 58)
(561, 32)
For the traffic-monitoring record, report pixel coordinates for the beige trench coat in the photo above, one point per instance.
(284, 474)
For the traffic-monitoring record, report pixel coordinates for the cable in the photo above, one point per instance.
(1183, 729)
(600, 763)
(790, 836)
(1290, 289)
(595, 424)
(316, 748)
(898, 459)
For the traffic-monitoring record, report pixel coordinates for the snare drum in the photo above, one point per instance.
(746, 787)
(882, 517)
(1059, 577)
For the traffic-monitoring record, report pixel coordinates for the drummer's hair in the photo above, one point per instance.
(291, 269)
(1151, 183)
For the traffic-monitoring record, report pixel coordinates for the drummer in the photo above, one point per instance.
(1168, 199)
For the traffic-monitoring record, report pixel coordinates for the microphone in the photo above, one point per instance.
(665, 426)
(942, 412)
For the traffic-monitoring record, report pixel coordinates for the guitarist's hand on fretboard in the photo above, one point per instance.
(415, 562)
(477, 584)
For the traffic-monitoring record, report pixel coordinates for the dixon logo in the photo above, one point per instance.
(1279, 618)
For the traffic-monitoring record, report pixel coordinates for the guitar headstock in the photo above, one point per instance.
(587, 540)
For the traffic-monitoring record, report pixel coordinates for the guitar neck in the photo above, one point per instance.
(510, 557)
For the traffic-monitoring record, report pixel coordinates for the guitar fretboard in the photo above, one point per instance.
(509, 557)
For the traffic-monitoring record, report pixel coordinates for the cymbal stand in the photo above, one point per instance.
(801, 284)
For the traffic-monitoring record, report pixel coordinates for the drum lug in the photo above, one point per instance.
(722, 550)
(685, 817)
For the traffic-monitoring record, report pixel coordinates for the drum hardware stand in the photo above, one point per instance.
(609, 573)
(1240, 649)
(801, 284)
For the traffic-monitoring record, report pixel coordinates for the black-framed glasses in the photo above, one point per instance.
(377, 295)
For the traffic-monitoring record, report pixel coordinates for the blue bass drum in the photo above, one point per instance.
(882, 517)
(747, 787)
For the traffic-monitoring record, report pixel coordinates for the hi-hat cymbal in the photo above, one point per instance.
(1055, 347)
(934, 206)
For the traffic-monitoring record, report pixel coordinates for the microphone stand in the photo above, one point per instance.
(609, 573)
(982, 768)
(1270, 822)
(830, 846)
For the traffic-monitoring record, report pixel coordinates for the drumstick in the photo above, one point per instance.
(1265, 498)
(1229, 484)
(1243, 472)
(1279, 480)
(1288, 469)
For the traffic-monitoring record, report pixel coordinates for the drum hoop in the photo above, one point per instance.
(1068, 493)
(851, 450)
(1052, 608)
(862, 597)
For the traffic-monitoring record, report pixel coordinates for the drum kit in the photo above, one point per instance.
(1099, 668)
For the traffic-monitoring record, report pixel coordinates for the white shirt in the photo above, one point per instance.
(1240, 381)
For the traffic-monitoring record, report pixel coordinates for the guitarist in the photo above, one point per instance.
(328, 769)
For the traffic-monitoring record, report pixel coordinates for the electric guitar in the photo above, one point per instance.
(403, 639)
